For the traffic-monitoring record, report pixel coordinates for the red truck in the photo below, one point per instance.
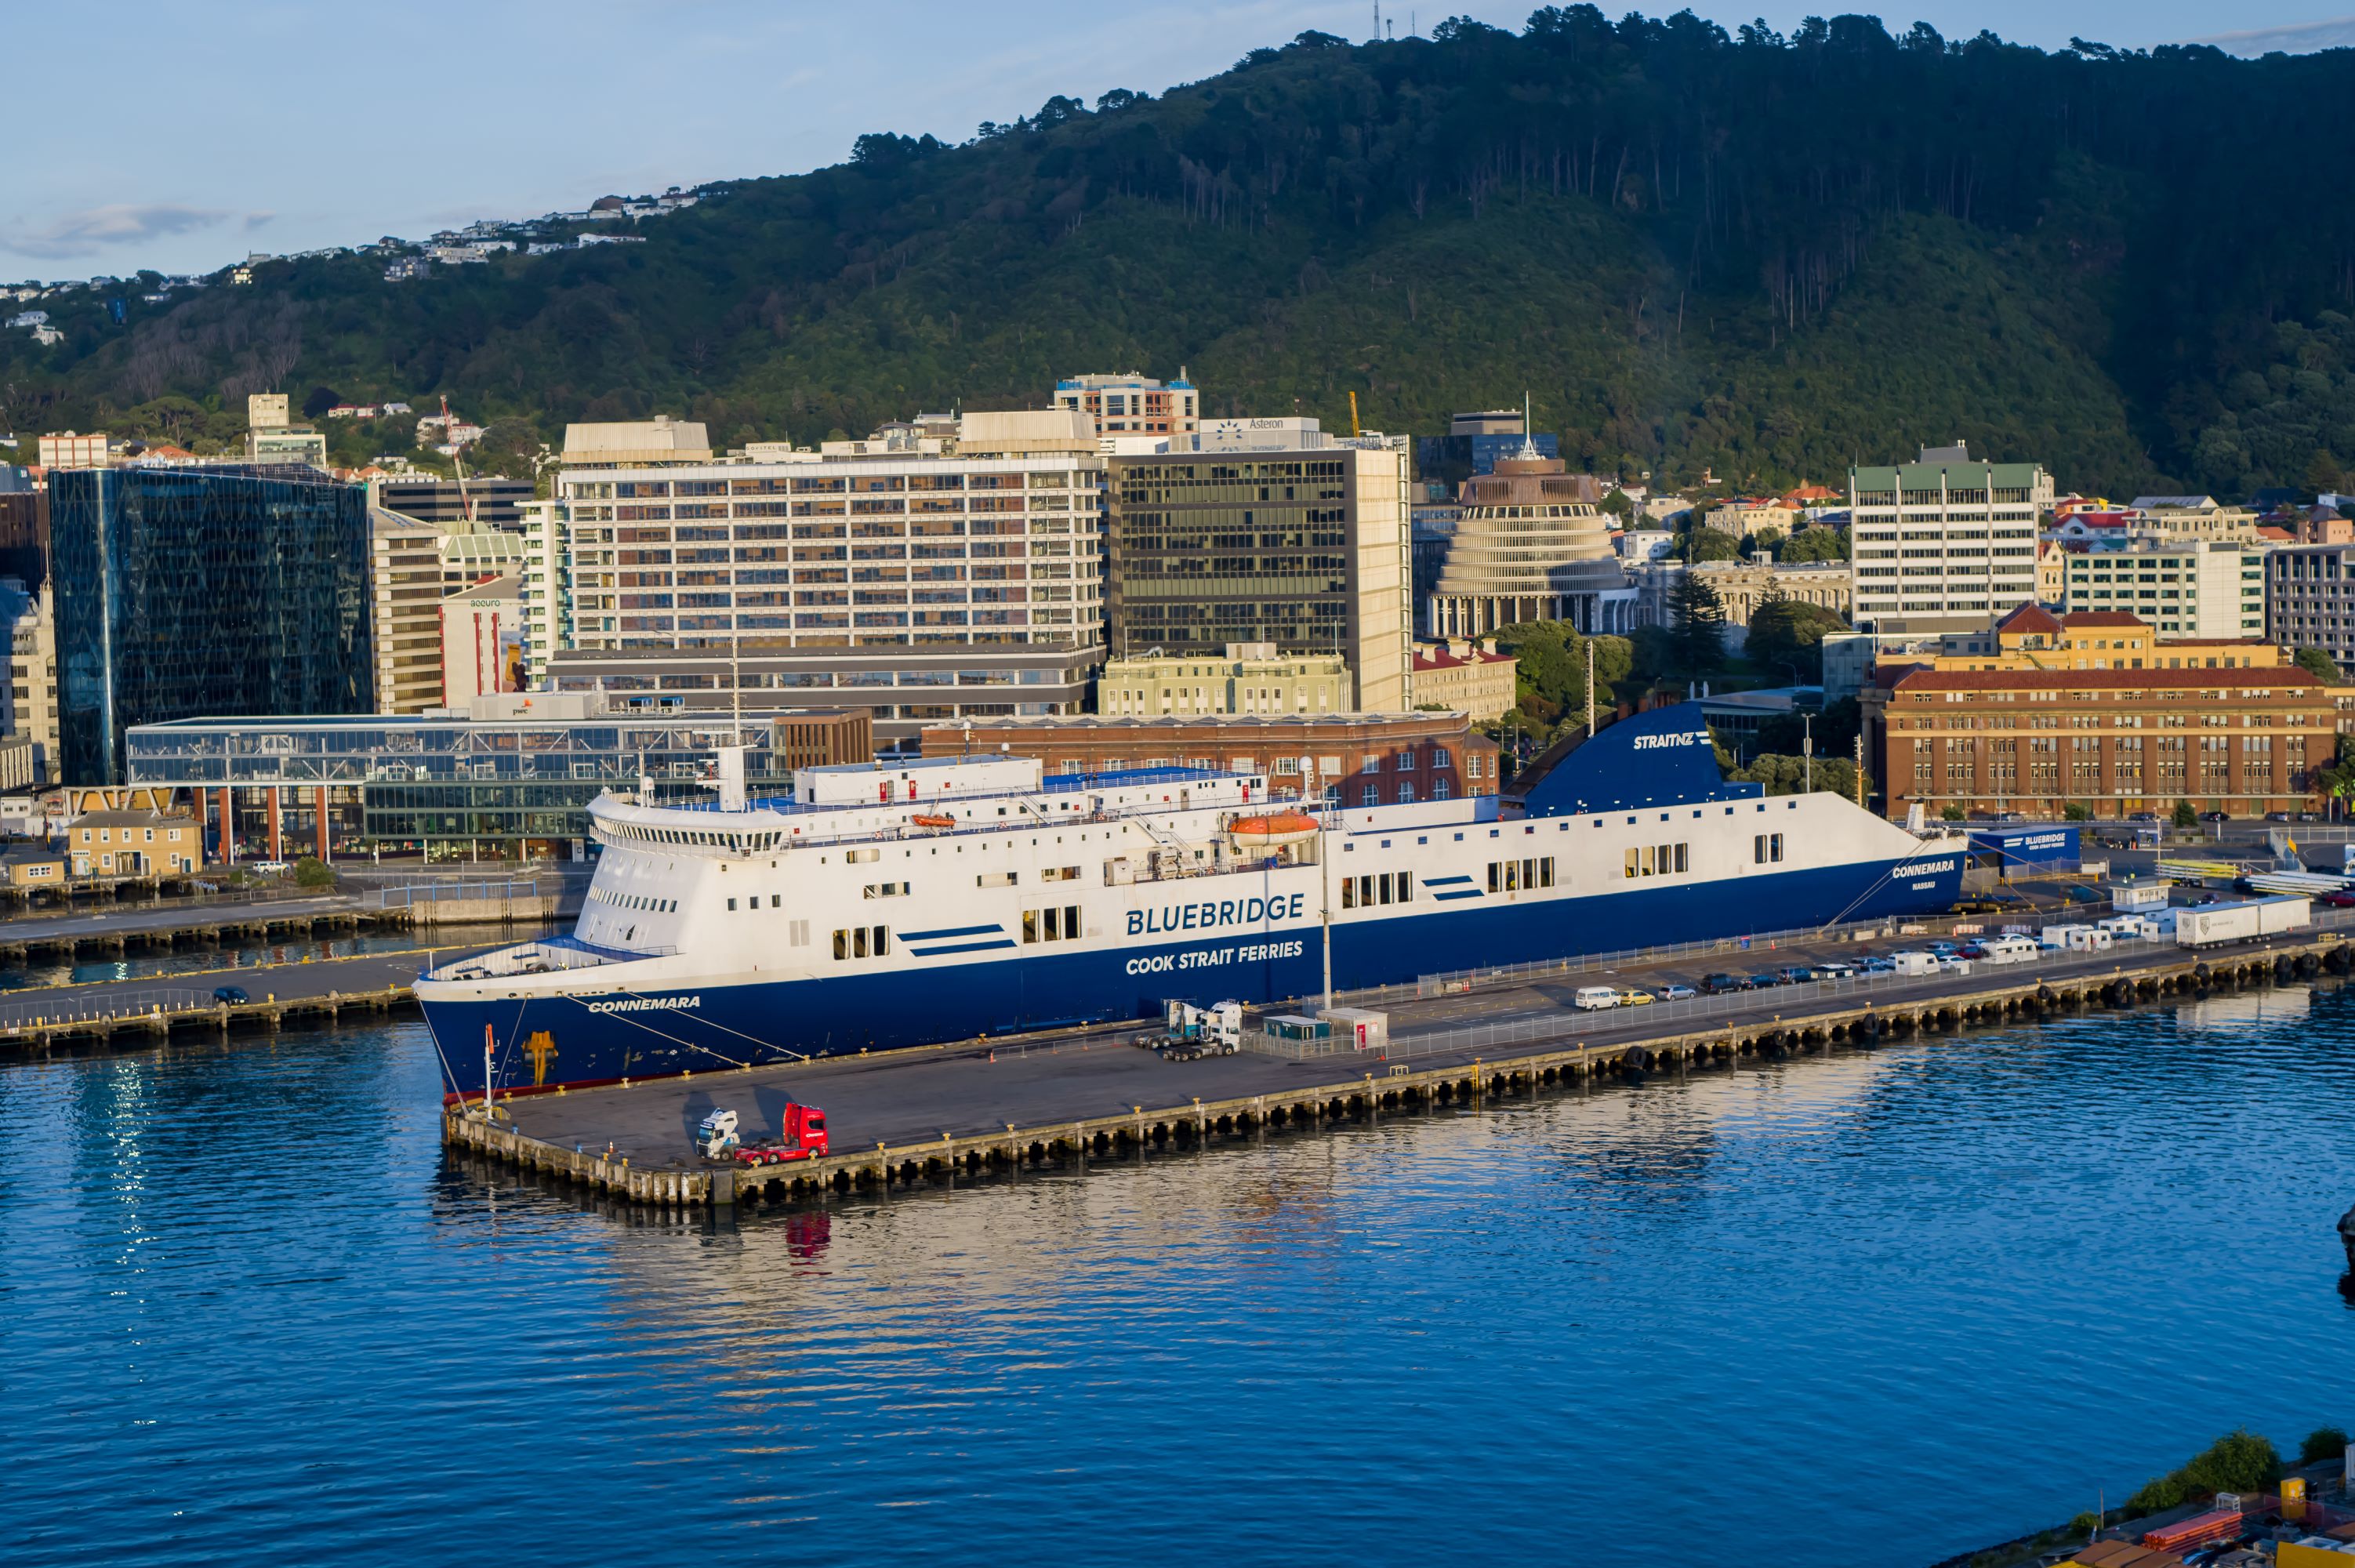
(802, 1137)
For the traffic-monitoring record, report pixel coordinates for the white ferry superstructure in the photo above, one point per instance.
(944, 899)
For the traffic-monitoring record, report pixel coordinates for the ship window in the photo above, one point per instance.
(1059, 874)
(777, 900)
(1632, 858)
(1406, 886)
(882, 940)
(1545, 872)
(859, 942)
(731, 904)
(842, 944)
(1767, 848)
(1683, 862)
(1383, 887)
(997, 878)
(1350, 892)
(887, 890)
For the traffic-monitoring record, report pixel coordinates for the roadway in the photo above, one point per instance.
(173, 915)
(286, 982)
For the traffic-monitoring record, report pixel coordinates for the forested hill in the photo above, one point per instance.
(1760, 254)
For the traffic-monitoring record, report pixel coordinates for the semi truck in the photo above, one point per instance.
(1188, 1032)
(801, 1136)
(2211, 925)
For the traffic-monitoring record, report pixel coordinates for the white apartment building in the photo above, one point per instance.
(405, 612)
(839, 576)
(1132, 404)
(1945, 542)
(2183, 585)
(2310, 598)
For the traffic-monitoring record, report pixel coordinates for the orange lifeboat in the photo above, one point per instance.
(1275, 827)
(925, 819)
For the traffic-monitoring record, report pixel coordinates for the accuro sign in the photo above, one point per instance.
(645, 1004)
(1210, 914)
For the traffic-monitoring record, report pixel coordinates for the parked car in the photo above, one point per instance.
(2340, 900)
(1594, 998)
(1673, 992)
(1877, 964)
(2214, 817)
(231, 994)
(1764, 979)
(1835, 969)
(1637, 997)
(2144, 817)
(1970, 950)
(1718, 985)
(2276, 817)
(1796, 974)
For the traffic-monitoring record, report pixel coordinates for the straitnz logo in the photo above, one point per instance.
(1689, 738)
(645, 1004)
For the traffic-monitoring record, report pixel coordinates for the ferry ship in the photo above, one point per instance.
(951, 898)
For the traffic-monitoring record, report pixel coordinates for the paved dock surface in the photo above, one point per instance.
(905, 1097)
(173, 914)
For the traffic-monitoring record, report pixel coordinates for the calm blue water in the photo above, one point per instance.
(1864, 1311)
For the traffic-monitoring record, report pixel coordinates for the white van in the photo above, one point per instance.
(1594, 998)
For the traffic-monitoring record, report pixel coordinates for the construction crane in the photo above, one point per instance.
(465, 503)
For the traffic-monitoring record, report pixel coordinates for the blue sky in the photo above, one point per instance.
(181, 140)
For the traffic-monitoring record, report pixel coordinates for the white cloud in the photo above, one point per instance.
(2294, 38)
(100, 228)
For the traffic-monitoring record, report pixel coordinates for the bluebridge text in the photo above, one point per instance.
(1209, 915)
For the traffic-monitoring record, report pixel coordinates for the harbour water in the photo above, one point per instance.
(1870, 1309)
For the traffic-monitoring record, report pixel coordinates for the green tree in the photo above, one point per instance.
(1708, 544)
(2077, 811)
(1790, 631)
(311, 872)
(1785, 774)
(1618, 505)
(1696, 628)
(1551, 657)
(2320, 664)
(1815, 544)
(2240, 1461)
(2322, 1443)
(2185, 816)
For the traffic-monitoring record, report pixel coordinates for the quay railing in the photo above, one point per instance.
(414, 893)
(102, 1005)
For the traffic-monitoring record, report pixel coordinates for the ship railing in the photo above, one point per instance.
(543, 957)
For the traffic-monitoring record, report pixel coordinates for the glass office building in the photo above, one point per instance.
(444, 785)
(214, 590)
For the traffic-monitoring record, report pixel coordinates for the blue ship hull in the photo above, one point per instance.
(544, 1042)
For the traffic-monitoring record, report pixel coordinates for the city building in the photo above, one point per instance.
(133, 844)
(66, 449)
(1643, 544)
(1244, 678)
(1131, 404)
(2196, 516)
(1467, 676)
(1743, 516)
(453, 506)
(1474, 443)
(1531, 546)
(481, 641)
(2183, 584)
(2032, 637)
(269, 439)
(1943, 542)
(30, 868)
(513, 776)
(1305, 549)
(477, 556)
(2243, 741)
(2310, 598)
(636, 443)
(208, 589)
(1361, 759)
(405, 596)
(1741, 586)
(924, 585)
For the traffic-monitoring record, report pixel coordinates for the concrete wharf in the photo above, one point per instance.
(933, 1115)
(139, 931)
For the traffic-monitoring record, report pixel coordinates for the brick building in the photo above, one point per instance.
(1370, 758)
(2118, 740)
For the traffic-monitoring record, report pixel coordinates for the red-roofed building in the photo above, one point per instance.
(1465, 677)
